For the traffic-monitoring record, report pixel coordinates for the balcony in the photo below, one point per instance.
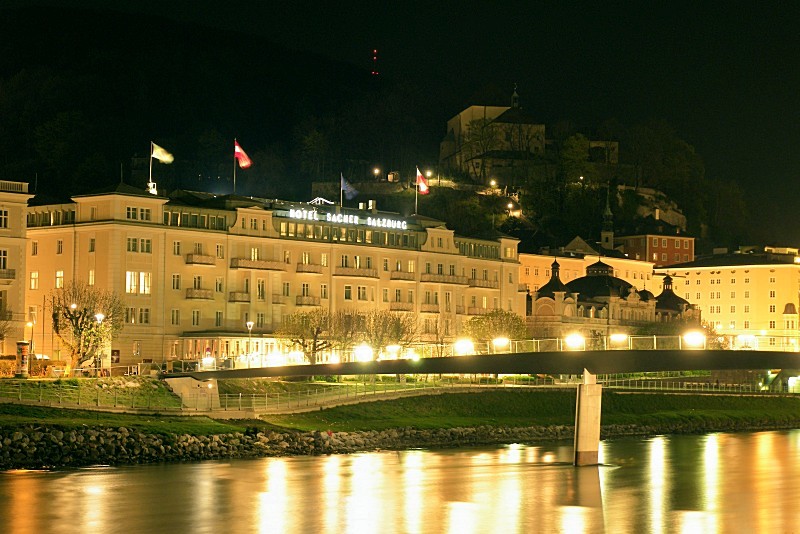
(429, 308)
(203, 294)
(8, 274)
(264, 265)
(474, 310)
(488, 284)
(278, 299)
(401, 306)
(402, 275)
(200, 259)
(239, 296)
(305, 300)
(355, 271)
(460, 310)
(444, 278)
(523, 288)
(309, 268)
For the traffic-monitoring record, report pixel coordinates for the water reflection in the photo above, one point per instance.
(711, 483)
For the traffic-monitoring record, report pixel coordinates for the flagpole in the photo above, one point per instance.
(416, 193)
(234, 165)
(151, 162)
(341, 189)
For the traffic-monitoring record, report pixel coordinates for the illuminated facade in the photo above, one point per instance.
(750, 298)
(535, 269)
(13, 204)
(658, 242)
(194, 269)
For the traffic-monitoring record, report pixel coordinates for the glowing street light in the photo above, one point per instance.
(694, 339)
(97, 363)
(493, 182)
(249, 325)
(575, 341)
(463, 346)
(500, 343)
(376, 171)
(363, 353)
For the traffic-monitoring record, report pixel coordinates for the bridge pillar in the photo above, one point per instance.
(587, 421)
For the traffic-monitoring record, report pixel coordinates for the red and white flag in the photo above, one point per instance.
(422, 185)
(239, 154)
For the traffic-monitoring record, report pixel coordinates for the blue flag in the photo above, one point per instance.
(349, 191)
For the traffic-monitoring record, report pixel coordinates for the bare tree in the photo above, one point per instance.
(345, 330)
(6, 322)
(309, 331)
(382, 328)
(85, 319)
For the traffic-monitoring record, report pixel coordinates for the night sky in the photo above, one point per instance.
(725, 75)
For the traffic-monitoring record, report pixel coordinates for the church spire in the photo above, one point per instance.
(607, 233)
(515, 98)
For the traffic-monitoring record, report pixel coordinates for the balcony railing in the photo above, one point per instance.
(402, 275)
(200, 259)
(429, 308)
(523, 288)
(355, 271)
(265, 265)
(239, 296)
(193, 293)
(309, 268)
(443, 278)
(8, 274)
(489, 284)
(302, 300)
(401, 306)
(277, 298)
(474, 310)
(460, 310)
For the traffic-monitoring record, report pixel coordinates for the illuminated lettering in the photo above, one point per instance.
(304, 214)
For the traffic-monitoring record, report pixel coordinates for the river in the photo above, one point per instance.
(722, 482)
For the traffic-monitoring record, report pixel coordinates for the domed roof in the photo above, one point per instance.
(600, 282)
(645, 295)
(553, 285)
(668, 300)
(789, 309)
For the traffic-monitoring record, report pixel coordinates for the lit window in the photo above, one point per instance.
(34, 280)
(59, 279)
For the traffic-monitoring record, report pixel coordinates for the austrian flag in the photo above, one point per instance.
(239, 154)
(422, 185)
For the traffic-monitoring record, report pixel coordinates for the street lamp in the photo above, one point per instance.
(249, 325)
(97, 360)
(376, 171)
(29, 324)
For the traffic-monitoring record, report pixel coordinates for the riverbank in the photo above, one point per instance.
(35, 438)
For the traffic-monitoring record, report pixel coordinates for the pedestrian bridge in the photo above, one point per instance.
(562, 361)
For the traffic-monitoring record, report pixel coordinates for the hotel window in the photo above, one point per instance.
(410, 296)
(254, 253)
(260, 319)
(345, 261)
(362, 293)
(91, 277)
(747, 324)
(747, 294)
(439, 269)
(686, 243)
(452, 270)
(304, 290)
(747, 308)
(772, 294)
(91, 244)
(198, 248)
(397, 297)
(287, 256)
(218, 287)
(286, 288)
(176, 248)
(220, 251)
(772, 308)
(218, 318)
(197, 281)
(195, 317)
(254, 224)
(133, 244)
(176, 281)
(746, 280)
(261, 289)
(771, 279)
(93, 213)
(59, 246)
(145, 279)
(34, 248)
(348, 292)
(385, 295)
(144, 315)
(733, 280)
(247, 286)
(733, 309)
(175, 317)
(144, 214)
(655, 241)
(411, 264)
(698, 296)
(664, 242)
(772, 324)
(131, 282)
(323, 291)
(59, 279)
(385, 264)
(323, 259)
(130, 315)
(305, 258)
(34, 280)
(131, 213)
(145, 246)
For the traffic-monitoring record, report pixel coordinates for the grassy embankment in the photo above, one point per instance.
(505, 408)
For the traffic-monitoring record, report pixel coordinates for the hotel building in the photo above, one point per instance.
(751, 299)
(194, 269)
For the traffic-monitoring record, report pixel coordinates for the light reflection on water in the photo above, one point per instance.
(711, 483)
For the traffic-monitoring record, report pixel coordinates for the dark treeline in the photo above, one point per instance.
(82, 94)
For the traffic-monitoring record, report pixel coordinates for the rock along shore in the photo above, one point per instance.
(42, 447)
